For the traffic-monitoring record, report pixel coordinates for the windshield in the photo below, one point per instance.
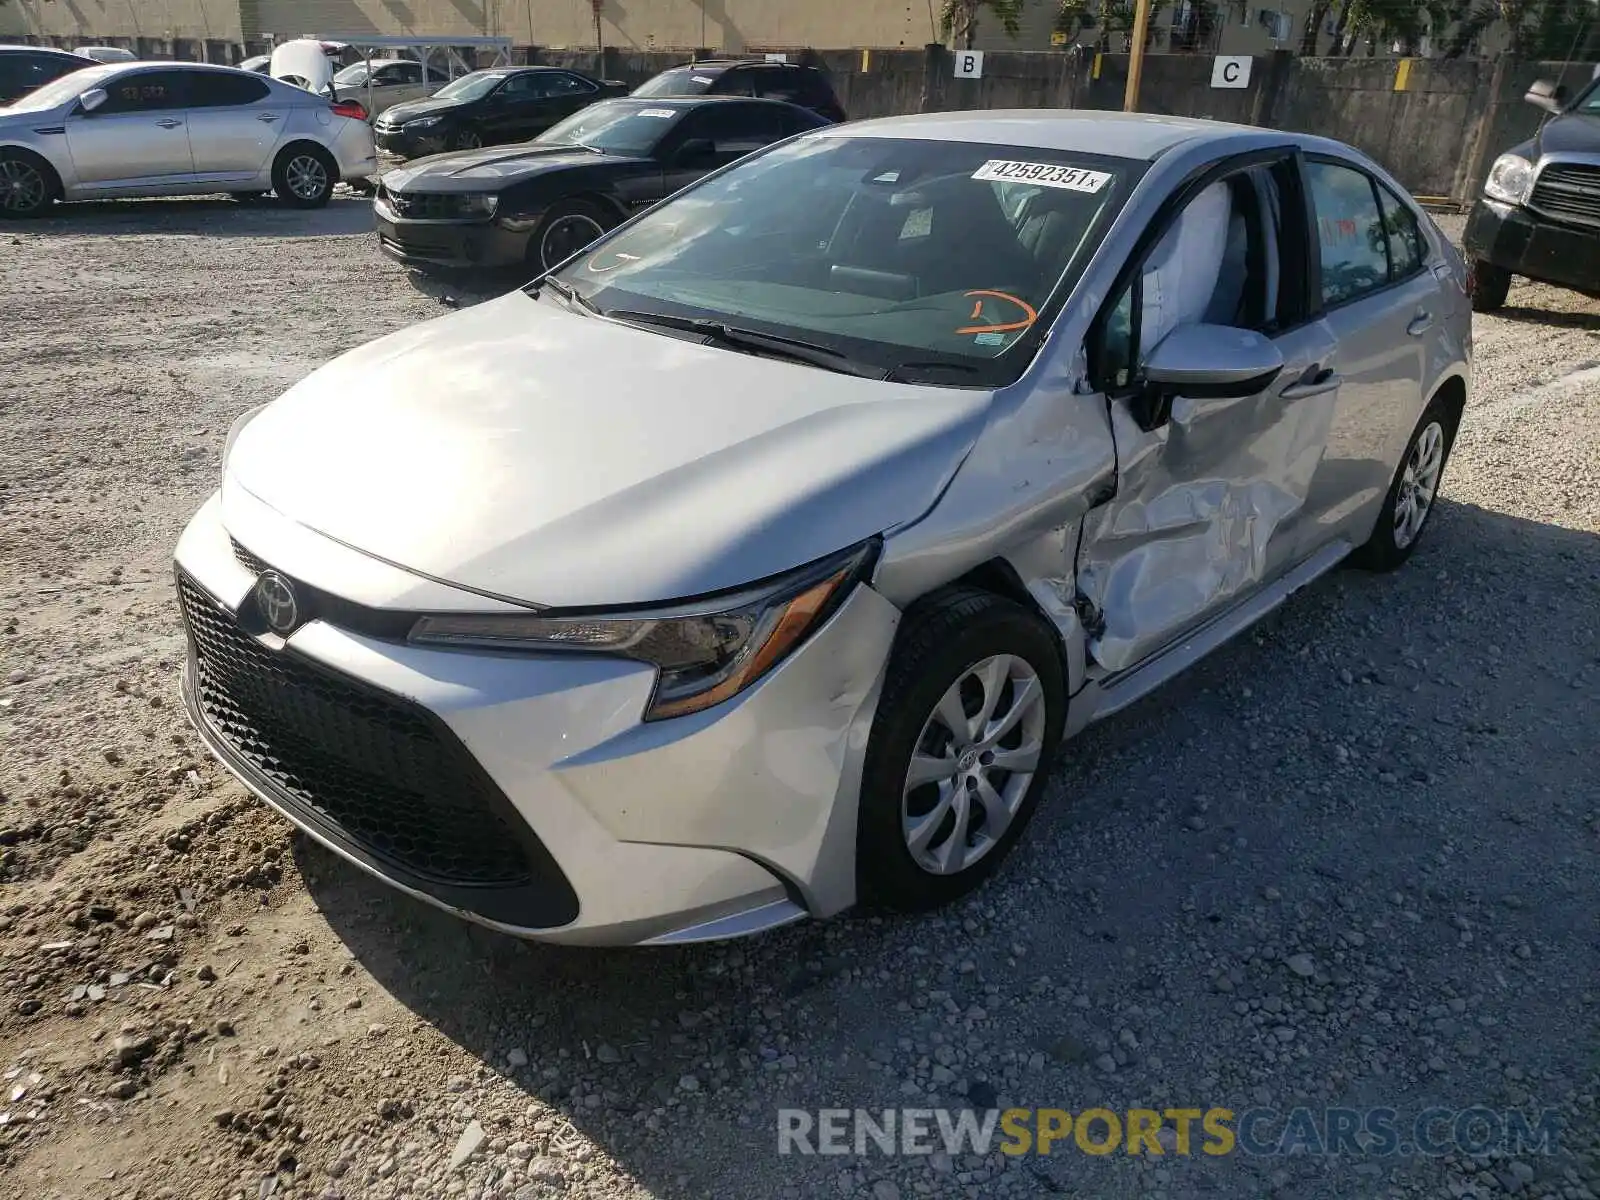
(890, 252)
(676, 83)
(631, 129)
(59, 91)
(470, 87)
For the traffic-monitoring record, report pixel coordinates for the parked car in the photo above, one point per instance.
(756, 561)
(167, 129)
(1539, 213)
(805, 86)
(260, 64)
(107, 54)
(486, 108)
(385, 82)
(541, 202)
(23, 68)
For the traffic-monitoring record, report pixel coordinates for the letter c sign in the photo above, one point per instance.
(1231, 71)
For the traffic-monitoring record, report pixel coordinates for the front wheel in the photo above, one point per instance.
(27, 184)
(1488, 285)
(466, 139)
(303, 176)
(564, 231)
(969, 719)
(1412, 493)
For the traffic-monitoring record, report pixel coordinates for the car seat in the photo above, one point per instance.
(1181, 276)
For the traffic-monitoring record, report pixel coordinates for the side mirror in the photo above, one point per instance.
(92, 99)
(1212, 362)
(1552, 97)
(696, 152)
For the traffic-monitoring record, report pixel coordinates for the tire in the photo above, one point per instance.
(466, 139)
(1488, 285)
(303, 176)
(28, 184)
(562, 232)
(908, 859)
(1416, 480)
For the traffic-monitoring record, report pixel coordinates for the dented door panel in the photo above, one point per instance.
(1206, 506)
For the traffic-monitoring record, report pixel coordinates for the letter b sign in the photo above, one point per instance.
(969, 64)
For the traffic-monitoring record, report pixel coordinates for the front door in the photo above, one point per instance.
(233, 125)
(1209, 492)
(713, 137)
(139, 136)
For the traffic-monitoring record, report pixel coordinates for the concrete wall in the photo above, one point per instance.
(114, 21)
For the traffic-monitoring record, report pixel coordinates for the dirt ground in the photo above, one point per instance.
(1349, 860)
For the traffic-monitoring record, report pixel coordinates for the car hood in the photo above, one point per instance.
(526, 451)
(306, 60)
(473, 170)
(1573, 133)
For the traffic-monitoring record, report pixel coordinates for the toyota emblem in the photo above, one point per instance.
(276, 600)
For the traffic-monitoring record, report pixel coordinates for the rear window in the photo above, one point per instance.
(682, 82)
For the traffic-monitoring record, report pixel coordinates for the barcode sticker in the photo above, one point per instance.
(657, 112)
(1074, 179)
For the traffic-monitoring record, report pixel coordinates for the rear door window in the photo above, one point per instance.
(212, 89)
(1355, 248)
(1405, 238)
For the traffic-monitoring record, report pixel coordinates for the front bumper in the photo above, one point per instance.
(454, 245)
(409, 145)
(522, 792)
(1534, 246)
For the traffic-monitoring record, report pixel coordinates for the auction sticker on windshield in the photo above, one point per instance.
(657, 112)
(1076, 179)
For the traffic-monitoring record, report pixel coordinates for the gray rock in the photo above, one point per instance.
(1302, 965)
(472, 1138)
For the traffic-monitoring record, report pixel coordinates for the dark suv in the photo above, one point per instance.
(1539, 213)
(804, 86)
(23, 68)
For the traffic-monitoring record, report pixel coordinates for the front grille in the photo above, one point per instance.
(374, 767)
(247, 560)
(1568, 192)
(433, 206)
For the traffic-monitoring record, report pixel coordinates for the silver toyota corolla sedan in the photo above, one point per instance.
(756, 561)
(169, 129)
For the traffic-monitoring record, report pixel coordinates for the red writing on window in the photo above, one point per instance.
(1337, 229)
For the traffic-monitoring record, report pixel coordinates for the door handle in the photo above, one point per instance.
(1420, 324)
(267, 117)
(1312, 383)
(169, 123)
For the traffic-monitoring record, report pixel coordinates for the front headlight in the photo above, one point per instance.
(235, 429)
(1509, 179)
(704, 652)
(478, 204)
(421, 124)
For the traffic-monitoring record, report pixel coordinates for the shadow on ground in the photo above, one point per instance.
(1553, 317)
(1110, 893)
(205, 216)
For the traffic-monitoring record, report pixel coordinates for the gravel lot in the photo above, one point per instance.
(1350, 860)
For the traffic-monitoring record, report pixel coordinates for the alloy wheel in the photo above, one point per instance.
(1419, 482)
(972, 764)
(306, 176)
(566, 236)
(22, 186)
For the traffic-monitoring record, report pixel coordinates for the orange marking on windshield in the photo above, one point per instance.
(1005, 327)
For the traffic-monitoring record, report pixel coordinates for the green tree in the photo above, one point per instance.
(1105, 17)
(1552, 29)
(958, 19)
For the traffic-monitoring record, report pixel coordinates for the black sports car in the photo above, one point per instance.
(23, 68)
(485, 108)
(539, 203)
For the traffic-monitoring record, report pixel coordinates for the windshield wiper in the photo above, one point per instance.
(567, 292)
(898, 372)
(753, 341)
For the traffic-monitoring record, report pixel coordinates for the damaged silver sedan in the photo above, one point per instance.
(756, 561)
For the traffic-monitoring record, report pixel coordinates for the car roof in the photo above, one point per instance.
(700, 101)
(55, 50)
(1120, 135)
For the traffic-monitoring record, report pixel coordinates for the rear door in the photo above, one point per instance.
(1381, 300)
(138, 137)
(1209, 492)
(234, 125)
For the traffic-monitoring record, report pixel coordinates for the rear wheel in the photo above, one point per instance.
(1488, 285)
(28, 186)
(1411, 497)
(304, 175)
(968, 722)
(565, 230)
